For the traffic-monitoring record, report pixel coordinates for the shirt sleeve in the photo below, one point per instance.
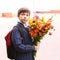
(17, 42)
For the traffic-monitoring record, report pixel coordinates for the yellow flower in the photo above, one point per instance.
(43, 20)
(30, 21)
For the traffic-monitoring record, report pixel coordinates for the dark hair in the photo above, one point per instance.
(23, 10)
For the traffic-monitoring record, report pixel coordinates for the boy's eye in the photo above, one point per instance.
(27, 14)
(22, 14)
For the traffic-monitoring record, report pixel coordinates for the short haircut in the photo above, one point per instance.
(23, 10)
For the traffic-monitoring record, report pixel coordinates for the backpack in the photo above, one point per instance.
(9, 45)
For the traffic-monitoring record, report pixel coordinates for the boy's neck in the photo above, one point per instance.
(25, 25)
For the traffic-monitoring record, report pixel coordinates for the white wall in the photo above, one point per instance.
(6, 24)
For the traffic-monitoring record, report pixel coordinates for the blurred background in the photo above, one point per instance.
(49, 48)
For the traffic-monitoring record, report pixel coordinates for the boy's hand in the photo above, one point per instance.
(36, 47)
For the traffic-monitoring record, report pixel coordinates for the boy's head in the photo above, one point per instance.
(23, 10)
(23, 14)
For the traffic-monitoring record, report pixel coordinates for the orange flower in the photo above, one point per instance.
(39, 25)
(39, 28)
(40, 34)
(32, 33)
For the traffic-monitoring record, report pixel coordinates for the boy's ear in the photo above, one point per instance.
(17, 15)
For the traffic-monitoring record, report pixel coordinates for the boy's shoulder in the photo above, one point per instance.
(15, 27)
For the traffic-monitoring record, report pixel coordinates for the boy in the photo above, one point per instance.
(23, 46)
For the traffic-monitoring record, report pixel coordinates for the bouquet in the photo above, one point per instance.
(39, 28)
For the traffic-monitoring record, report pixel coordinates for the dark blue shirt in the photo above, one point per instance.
(23, 46)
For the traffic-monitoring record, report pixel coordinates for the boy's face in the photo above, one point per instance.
(23, 17)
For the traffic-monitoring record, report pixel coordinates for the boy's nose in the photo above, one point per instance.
(25, 16)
